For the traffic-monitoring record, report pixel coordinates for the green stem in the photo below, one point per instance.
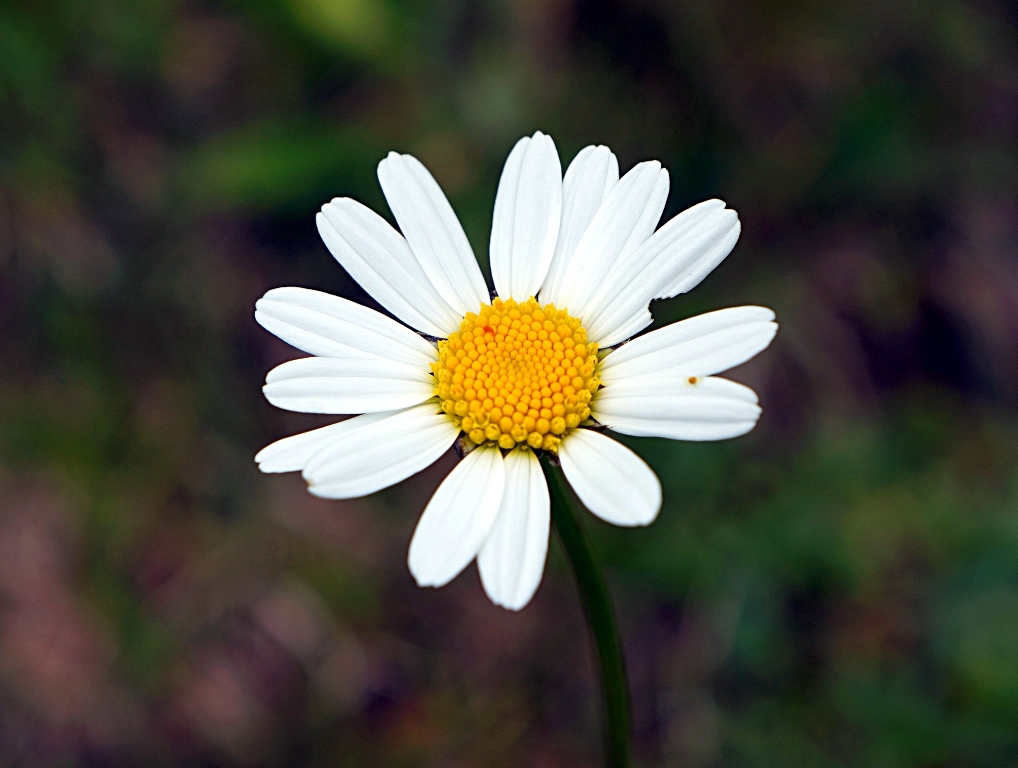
(597, 606)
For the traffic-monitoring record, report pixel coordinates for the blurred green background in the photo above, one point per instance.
(838, 588)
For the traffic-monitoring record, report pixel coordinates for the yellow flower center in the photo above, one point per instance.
(517, 373)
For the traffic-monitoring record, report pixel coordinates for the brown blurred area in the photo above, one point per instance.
(838, 588)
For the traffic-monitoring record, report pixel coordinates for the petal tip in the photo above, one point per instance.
(514, 607)
(318, 491)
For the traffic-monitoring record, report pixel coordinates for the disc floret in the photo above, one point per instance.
(517, 374)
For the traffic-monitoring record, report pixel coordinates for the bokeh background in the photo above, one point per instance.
(838, 588)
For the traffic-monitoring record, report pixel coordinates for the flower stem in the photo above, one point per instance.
(597, 606)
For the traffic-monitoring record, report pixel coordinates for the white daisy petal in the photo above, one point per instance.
(697, 263)
(433, 231)
(702, 235)
(458, 518)
(665, 384)
(525, 224)
(291, 454)
(611, 481)
(700, 346)
(381, 262)
(666, 246)
(629, 329)
(588, 180)
(511, 562)
(329, 326)
(624, 221)
(666, 406)
(358, 385)
(374, 454)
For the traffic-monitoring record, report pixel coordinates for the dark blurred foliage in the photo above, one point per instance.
(839, 588)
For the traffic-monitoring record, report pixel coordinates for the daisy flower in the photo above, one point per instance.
(539, 365)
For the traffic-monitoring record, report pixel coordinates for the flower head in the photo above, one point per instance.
(517, 374)
(576, 262)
